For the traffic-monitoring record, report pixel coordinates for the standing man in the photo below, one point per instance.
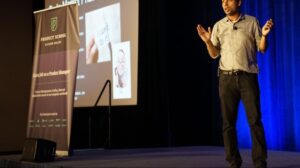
(237, 38)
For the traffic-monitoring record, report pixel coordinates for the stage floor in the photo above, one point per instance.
(200, 156)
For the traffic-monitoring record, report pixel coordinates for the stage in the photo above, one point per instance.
(202, 156)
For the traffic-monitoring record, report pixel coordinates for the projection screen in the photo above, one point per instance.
(108, 51)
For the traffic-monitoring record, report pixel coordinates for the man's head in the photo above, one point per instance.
(231, 7)
(121, 57)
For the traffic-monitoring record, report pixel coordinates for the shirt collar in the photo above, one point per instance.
(242, 17)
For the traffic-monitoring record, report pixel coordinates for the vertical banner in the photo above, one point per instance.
(54, 75)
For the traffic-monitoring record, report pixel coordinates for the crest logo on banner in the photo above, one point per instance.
(53, 24)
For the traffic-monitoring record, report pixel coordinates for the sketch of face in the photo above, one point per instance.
(121, 69)
(102, 36)
(121, 62)
(102, 41)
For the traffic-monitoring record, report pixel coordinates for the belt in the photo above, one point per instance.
(233, 72)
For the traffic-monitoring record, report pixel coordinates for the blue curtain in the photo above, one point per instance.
(279, 75)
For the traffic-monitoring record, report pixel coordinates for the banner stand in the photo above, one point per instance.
(54, 75)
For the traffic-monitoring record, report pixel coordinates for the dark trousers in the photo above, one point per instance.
(232, 89)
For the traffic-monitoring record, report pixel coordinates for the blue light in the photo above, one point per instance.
(279, 75)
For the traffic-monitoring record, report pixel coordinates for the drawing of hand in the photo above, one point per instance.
(91, 51)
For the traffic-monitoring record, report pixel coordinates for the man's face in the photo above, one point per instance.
(231, 7)
(121, 58)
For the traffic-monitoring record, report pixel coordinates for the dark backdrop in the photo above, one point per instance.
(177, 84)
(15, 71)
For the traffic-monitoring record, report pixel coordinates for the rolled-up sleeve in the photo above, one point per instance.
(214, 36)
(257, 33)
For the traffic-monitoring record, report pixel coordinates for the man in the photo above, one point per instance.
(121, 71)
(236, 38)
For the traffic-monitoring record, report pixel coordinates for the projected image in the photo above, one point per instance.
(108, 31)
(121, 71)
(102, 30)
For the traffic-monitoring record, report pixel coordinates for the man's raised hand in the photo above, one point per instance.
(205, 35)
